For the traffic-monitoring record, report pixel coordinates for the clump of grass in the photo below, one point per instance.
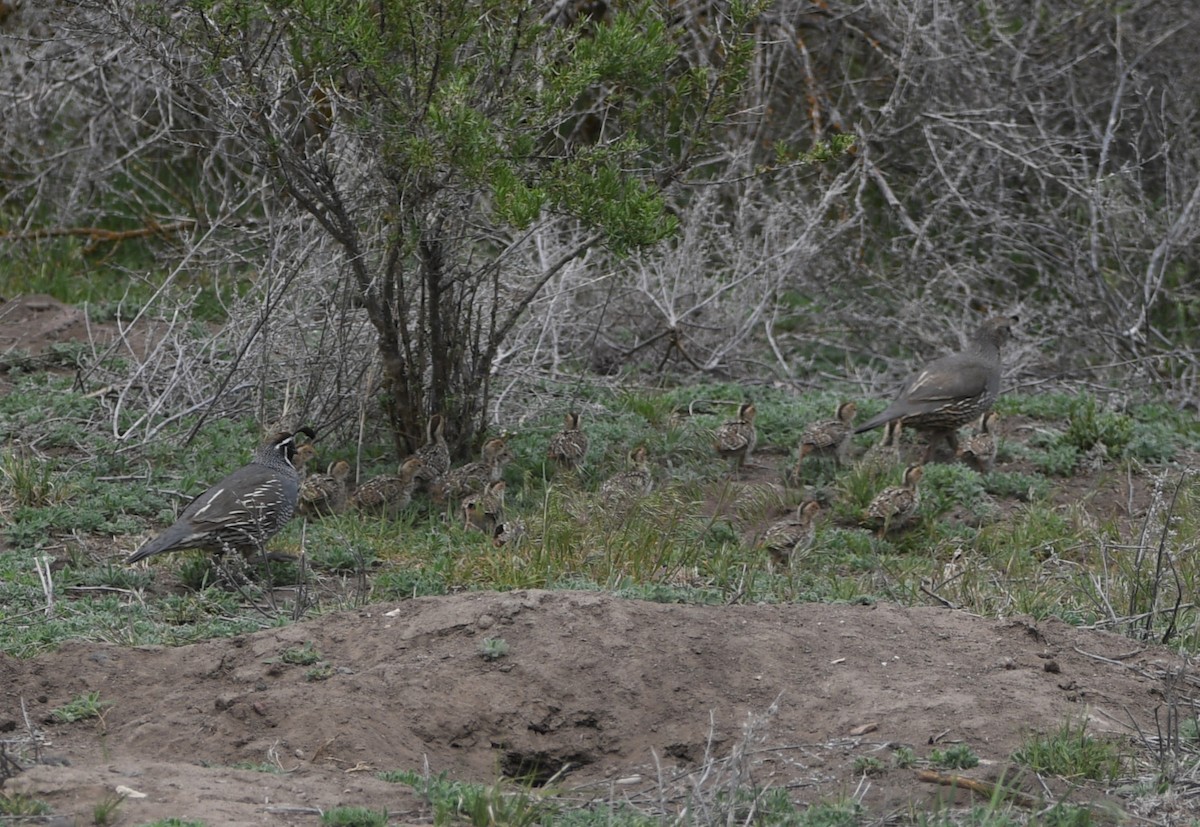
(31, 481)
(1071, 753)
(868, 765)
(956, 757)
(20, 804)
(80, 709)
(478, 804)
(1088, 425)
(105, 811)
(1015, 485)
(408, 583)
(354, 817)
(305, 655)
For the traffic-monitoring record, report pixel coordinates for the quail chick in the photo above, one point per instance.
(568, 448)
(829, 437)
(894, 507)
(485, 509)
(630, 484)
(242, 511)
(735, 440)
(951, 391)
(979, 449)
(324, 494)
(462, 481)
(793, 535)
(435, 453)
(509, 533)
(304, 454)
(388, 494)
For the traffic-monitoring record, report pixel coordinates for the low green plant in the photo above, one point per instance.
(305, 655)
(20, 804)
(1016, 485)
(903, 758)
(493, 648)
(80, 709)
(956, 757)
(1089, 425)
(320, 672)
(31, 481)
(272, 769)
(478, 804)
(407, 583)
(1071, 753)
(868, 765)
(354, 817)
(104, 812)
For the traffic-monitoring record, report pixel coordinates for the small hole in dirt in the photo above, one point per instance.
(537, 768)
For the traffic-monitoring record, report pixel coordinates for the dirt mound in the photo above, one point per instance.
(611, 694)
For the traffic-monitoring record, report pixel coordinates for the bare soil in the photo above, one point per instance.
(618, 697)
(600, 697)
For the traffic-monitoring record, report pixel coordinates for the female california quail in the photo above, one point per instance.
(788, 538)
(568, 448)
(895, 507)
(735, 440)
(828, 437)
(388, 494)
(466, 479)
(951, 391)
(324, 494)
(979, 449)
(242, 511)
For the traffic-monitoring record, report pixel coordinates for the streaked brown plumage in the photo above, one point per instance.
(242, 511)
(894, 507)
(568, 448)
(324, 494)
(829, 437)
(388, 494)
(304, 454)
(435, 453)
(630, 484)
(511, 533)
(485, 509)
(951, 391)
(885, 453)
(979, 449)
(474, 476)
(735, 440)
(792, 535)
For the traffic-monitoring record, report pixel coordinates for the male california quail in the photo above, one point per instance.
(568, 448)
(979, 449)
(735, 440)
(885, 453)
(792, 535)
(630, 484)
(242, 511)
(484, 510)
(953, 390)
(388, 494)
(466, 479)
(894, 507)
(828, 437)
(324, 494)
(435, 453)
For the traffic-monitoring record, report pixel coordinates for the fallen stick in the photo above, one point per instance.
(984, 788)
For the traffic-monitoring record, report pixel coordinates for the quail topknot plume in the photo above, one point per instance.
(951, 391)
(242, 511)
